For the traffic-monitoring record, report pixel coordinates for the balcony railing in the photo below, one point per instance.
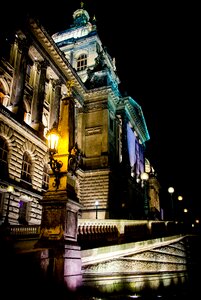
(18, 231)
(91, 233)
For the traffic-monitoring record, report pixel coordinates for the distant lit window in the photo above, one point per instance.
(26, 168)
(82, 62)
(3, 157)
(46, 177)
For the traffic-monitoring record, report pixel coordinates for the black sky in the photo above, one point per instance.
(157, 52)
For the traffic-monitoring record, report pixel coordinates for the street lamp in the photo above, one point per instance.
(144, 178)
(171, 191)
(10, 190)
(96, 204)
(179, 210)
(186, 218)
(53, 141)
(180, 198)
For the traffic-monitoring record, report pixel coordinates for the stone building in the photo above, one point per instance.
(70, 82)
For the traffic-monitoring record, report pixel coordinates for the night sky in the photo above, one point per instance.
(157, 50)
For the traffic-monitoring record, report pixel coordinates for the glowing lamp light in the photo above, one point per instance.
(53, 140)
(171, 190)
(180, 198)
(144, 176)
(10, 189)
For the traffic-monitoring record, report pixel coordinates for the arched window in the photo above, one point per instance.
(26, 168)
(46, 177)
(82, 62)
(3, 157)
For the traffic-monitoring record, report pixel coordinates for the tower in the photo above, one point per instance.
(104, 124)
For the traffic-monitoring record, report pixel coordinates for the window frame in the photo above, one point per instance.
(26, 170)
(82, 62)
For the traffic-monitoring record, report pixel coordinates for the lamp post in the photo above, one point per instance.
(53, 141)
(186, 219)
(171, 191)
(60, 205)
(10, 190)
(96, 204)
(179, 211)
(144, 178)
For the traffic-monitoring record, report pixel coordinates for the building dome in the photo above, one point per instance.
(81, 17)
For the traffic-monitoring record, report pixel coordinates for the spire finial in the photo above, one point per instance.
(82, 4)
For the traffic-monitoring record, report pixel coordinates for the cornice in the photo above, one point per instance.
(66, 69)
(56, 55)
(90, 39)
(135, 115)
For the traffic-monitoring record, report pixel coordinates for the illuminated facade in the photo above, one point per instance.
(109, 129)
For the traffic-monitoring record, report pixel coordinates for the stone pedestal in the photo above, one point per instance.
(59, 238)
(59, 217)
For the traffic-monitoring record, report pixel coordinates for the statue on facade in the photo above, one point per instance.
(75, 159)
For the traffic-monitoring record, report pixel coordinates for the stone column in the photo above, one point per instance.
(55, 105)
(19, 79)
(38, 99)
(35, 83)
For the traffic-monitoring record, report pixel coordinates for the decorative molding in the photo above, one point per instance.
(93, 130)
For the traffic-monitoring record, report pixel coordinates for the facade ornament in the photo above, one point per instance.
(69, 85)
(75, 159)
